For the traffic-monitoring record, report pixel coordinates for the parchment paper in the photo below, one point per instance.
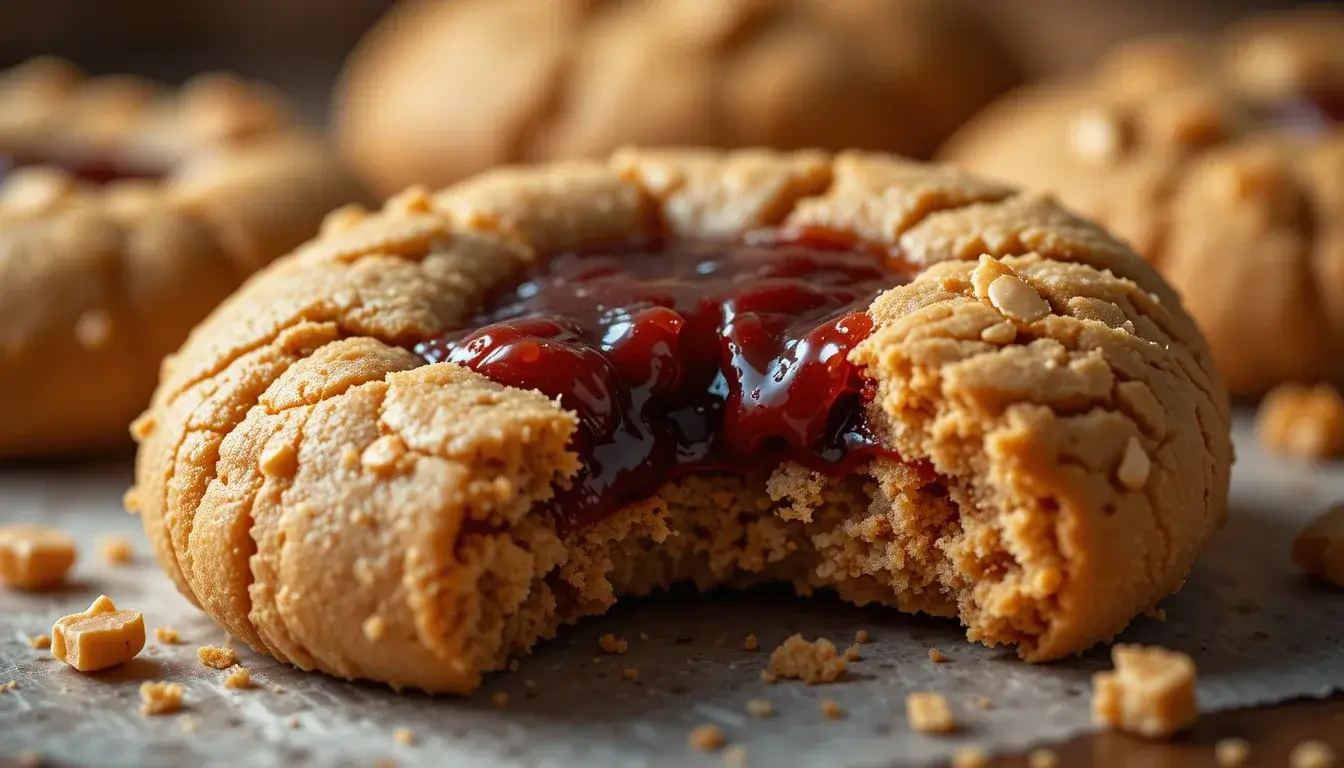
(1259, 632)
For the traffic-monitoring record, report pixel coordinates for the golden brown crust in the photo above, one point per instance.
(97, 283)
(1069, 455)
(576, 80)
(1203, 155)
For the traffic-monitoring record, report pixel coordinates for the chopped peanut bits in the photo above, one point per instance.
(929, 712)
(706, 738)
(1319, 548)
(814, 662)
(215, 657)
(34, 558)
(98, 638)
(160, 698)
(1150, 693)
(1307, 422)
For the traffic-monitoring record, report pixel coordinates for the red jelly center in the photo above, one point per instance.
(92, 169)
(681, 356)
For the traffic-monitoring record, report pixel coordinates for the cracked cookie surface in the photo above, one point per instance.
(575, 80)
(126, 214)
(1219, 160)
(1059, 439)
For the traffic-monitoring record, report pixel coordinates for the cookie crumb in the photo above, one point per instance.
(215, 657)
(612, 644)
(929, 712)
(814, 662)
(1151, 692)
(705, 738)
(1042, 758)
(32, 557)
(404, 736)
(238, 678)
(160, 698)
(760, 707)
(39, 641)
(1318, 549)
(861, 636)
(969, 757)
(750, 643)
(167, 636)
(831, 710)
(854, 653)
(499, 699)
(1312, 754)
(735, 757)
(1302, 421)
(1231, 753)
(631, 674)
(98, 638)
(116, 550)
(936, 656)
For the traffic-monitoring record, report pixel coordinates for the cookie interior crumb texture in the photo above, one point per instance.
(1307, 422)
(160, 698)
(1318, 548)
(298, 433)
(216, 657)
(33, 557)
(98, 638)
(1151, 692)
(929, 712)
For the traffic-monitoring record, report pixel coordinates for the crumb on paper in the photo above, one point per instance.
(39, 641)
(937, 656)
(160, 698)
(612, 644)
(1312, 754)
(1151, 692)
(116, 550)
(735, 757)
(854, 653)
(1042, 758)
(238, 678)
(969, 757)
(861, 636)
(216, 657)
(167, 636)
(404, 736)
(750, 643)
(929, 712)
(631, 674)
(499, 699)
(1306, 421)
(98, 638)
(760, 707)
(34, 558)
(1231, 753)
(1318, 549)
(814, 662)
(705, 738)
(831, 710)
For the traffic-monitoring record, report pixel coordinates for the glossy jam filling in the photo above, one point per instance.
(680, 356)
(92, 169)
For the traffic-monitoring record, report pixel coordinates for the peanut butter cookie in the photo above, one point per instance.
(441, 90)
(1221, 161)
(126, 214)
(479, 414)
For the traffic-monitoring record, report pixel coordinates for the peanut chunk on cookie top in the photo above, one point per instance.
(98, 638)
(32, 557)
(1150, 693)
(1319, 548)
(814, 662)
(1306, 422)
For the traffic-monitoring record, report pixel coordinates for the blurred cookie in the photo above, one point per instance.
(441, 90)
(126, 213)
(1222, 161)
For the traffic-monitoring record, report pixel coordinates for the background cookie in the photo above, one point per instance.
(441, 90)
(335, 501)
(1220, 160)
(126, 214)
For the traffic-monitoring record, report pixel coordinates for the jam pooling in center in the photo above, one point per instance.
(681, 356)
